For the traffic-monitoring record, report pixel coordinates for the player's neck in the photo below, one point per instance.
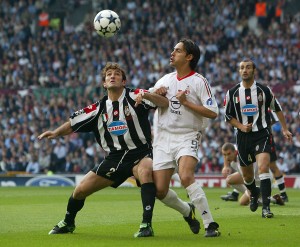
(248, 83)
(115, 94)
(183, 72)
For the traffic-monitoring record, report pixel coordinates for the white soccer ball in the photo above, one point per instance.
(107, 23)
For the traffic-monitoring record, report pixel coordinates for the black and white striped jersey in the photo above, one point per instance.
(117, 125)
(251, 105)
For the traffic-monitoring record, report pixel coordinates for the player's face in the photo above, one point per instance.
(229, 155)
(113, 79)
(179, 56)
(246, 71)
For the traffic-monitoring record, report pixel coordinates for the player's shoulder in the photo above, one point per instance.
(262, 86)
(200, 79)
(170, 75)
(234, 88)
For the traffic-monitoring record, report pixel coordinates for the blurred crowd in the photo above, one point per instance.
(48, 71)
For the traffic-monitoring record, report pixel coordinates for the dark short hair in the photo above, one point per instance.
(191, 48)
(113, 66)
(249, 60)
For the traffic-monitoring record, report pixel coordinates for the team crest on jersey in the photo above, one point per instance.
(187, 91)
(117, 128)
(249, 110)
(126, 111)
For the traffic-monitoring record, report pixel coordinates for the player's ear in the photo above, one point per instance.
(124, 82)
(189, 57)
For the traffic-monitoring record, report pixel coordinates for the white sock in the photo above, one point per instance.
(173, 201)
(198, 198)
(239, 188)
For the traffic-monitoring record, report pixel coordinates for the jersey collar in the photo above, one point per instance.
(191, 73)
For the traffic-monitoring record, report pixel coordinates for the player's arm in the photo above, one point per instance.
(151, 95)
(202, 110)
(244, 128)
(64, 129)
(156, 99)
(286, 133)
(226, 168)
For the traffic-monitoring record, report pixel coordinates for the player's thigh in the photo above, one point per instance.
(186, 166)
(90, 184)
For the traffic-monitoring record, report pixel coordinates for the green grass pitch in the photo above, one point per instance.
(110, 218)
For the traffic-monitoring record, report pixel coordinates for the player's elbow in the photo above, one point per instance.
(213, 115)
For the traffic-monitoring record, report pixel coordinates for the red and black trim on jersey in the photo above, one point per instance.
(135, 132)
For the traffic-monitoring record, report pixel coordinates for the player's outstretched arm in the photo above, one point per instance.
(62, 130)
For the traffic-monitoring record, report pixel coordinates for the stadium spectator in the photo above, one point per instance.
(33, 165)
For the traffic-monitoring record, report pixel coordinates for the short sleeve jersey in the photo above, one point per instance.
(178, 118)
(117, 125)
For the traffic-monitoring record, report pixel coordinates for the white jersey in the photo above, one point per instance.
(179, 119)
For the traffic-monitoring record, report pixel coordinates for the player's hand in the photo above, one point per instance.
(138, 99)
(246, 128)
(226, 171)
(47, 134)
(161, 91)
(288, 135)
(181, 97)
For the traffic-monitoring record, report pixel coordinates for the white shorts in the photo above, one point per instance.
(168, 148)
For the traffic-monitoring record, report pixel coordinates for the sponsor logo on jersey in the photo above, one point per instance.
(175, 104)
(117, 128)
(90, 108)
(249, 110)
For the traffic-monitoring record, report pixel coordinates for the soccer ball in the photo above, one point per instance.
(107, 23)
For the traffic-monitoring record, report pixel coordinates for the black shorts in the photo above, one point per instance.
(253, 143)
(118, 165)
